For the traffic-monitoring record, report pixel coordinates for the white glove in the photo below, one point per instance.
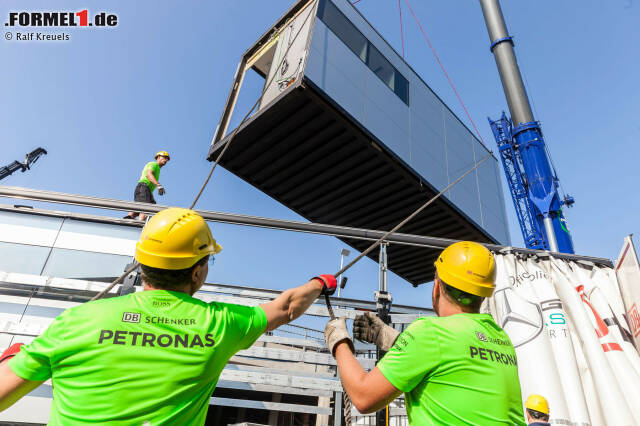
(336, 332)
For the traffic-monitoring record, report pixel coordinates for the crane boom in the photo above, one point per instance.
(30, 158)
(532, 181)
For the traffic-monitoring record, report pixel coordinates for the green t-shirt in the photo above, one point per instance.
(152, 357)
(155, 171)
(459, 369)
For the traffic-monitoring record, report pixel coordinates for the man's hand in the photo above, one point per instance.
(336, 332)
(161, 190)
(329, 283)
(370, 329)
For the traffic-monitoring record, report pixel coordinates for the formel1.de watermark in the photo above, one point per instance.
(31, 25)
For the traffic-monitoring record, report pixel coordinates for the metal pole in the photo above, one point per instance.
(527, 132)
(343, 253)
(383, 267)
(551, 235)
(383, 306)
(261, 222)
(337, 408)
(502, 48)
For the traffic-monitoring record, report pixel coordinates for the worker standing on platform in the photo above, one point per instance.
(457, 368)
(154, 356)
(149, 180)
(537, 410)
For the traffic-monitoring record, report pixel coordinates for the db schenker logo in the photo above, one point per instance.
(61, 19)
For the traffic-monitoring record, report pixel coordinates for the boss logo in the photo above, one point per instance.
(131, 317)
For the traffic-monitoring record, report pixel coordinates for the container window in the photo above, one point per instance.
(380, 66)
(345, 30)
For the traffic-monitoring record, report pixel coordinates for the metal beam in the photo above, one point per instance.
(226, 384)
(235, 294)
(261, 222)
(296, 355)
(268, 405)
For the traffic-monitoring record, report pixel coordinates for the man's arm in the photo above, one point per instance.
(369, 392)
(12, 386)
(294, 302)
(152, 178)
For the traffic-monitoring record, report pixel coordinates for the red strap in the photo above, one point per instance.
(329, 282)
(10, 351)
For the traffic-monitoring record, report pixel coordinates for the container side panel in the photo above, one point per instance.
(491, 199)
(338, 79)
(467, 201)
(428, 155)
(387, 117)
(378, 93)
(426, 105)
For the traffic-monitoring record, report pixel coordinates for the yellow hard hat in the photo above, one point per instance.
(469, 267)
(537, 403)
(175, 238)
(164, 154)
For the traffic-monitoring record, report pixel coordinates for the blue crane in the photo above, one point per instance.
(532, 181)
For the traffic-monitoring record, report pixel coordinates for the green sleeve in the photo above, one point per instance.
(245, 324)
(34, 360)
(415, 354)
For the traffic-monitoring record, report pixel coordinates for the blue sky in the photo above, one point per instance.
(104, 102)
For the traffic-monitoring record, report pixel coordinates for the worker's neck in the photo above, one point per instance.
(182, 289)
(447, 309)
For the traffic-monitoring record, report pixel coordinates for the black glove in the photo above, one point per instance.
(370, 329)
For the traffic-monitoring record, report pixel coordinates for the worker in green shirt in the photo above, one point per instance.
(457, 368)
(152, 357)
(149, 180)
